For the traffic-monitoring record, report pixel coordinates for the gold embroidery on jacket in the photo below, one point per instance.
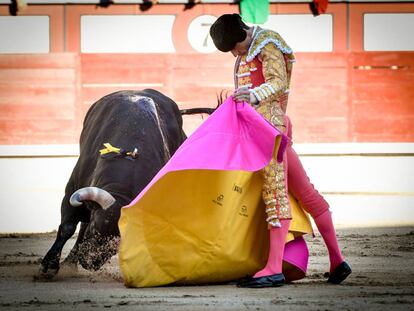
(276, 76)
(243, 69)
(263, 37)
(272, 97)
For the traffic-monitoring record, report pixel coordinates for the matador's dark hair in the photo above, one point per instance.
(227, 30)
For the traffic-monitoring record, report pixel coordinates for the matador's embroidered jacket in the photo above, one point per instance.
(266, 71)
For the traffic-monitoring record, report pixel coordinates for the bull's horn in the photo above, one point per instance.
(100, 196)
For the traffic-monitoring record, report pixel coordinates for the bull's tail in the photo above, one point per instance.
(220, 99)
(197, 111)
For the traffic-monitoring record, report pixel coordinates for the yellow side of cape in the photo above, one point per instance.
(198, 226)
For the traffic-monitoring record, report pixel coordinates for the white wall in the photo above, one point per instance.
(299, 31)
(365, 184)
(24, 34)
(127, 33)
(389, 32)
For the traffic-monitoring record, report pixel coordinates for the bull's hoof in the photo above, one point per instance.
(46, 272)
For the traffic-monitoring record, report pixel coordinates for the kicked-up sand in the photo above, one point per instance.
(382, 260)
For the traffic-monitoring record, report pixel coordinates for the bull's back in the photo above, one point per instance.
(127, 119)
(128, 113)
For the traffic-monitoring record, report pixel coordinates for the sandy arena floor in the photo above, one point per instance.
(383, 279)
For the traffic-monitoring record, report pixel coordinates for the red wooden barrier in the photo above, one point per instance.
(38, 99)
(382, 96)
(335, 97)
(318, 102)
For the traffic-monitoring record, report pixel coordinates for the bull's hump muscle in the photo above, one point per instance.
(152, 107)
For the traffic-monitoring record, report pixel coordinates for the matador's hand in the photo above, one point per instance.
(243, 95)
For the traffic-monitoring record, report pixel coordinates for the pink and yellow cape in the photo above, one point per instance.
(201, 219)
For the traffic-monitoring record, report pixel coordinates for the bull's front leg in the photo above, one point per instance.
(73, 258)
(50, 263)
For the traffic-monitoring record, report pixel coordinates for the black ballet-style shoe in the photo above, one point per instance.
(273, 280)
(340, 273)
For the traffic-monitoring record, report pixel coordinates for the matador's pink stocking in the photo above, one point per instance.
(327, 230)
(311, 201)
(276, 248)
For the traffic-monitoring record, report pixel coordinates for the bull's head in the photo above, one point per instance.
(101, 237)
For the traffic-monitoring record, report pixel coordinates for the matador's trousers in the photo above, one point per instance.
(289, 176)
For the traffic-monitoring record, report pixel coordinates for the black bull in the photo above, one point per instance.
(147, 125)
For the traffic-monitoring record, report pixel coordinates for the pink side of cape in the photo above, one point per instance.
(234, 137)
